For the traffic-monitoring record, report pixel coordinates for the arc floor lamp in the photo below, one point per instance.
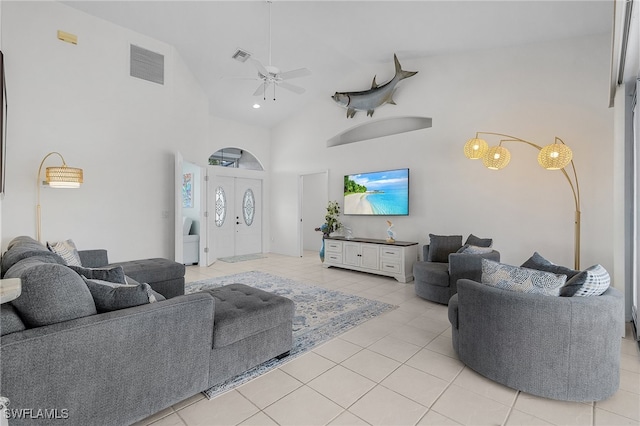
(555, 156)
(56, 177)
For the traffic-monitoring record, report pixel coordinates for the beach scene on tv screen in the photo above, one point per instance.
(377, 193)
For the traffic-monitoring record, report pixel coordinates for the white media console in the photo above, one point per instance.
(373, 256)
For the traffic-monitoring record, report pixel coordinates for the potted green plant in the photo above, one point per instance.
(330, 225)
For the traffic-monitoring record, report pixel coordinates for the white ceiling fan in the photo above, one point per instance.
(269, 74)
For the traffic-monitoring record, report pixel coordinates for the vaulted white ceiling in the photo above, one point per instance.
(334, 39)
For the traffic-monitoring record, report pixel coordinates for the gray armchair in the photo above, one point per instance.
(436, 279)
(565, 348)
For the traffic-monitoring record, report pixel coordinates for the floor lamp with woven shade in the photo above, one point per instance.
(555, 156)
(56, 177)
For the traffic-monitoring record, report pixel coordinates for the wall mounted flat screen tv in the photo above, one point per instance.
(383, 193)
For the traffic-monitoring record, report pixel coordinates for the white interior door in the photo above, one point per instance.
(313, 196)
(248, 215)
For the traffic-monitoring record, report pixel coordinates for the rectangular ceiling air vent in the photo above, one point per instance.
(241, 55)
(147, 65)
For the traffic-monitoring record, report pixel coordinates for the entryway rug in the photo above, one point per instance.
(241, 258)
(320, 315)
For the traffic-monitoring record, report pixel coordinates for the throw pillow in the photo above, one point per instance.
(66, 250)
(536, 261)
(441, 246)
(114, 274)
(469, 249)
(592, 281)
(113, 296)
(52, 293)
(158, 296)
(19, 252)
(522, 280)
(479, 242)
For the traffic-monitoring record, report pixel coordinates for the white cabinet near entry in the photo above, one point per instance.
(373, 256)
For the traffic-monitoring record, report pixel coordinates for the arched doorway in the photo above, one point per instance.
(234, 204)
(236, 158)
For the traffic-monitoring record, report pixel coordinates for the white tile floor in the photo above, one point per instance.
(396, 369)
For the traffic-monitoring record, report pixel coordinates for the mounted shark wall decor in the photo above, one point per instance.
(369, 100)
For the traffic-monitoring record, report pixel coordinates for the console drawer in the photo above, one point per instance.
(393, 267)
(333, 246)
(391, 252)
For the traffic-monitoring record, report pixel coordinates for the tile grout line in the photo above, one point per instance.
(430, 408)
(511, 408)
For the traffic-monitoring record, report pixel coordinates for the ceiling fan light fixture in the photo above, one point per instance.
(272, 75)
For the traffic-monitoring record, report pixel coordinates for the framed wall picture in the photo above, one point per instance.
(187, 190)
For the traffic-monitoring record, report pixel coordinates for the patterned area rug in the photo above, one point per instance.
(320, 315)
(242, 258)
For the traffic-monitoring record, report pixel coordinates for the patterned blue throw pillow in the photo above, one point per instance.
(592, 281)
(522, 280)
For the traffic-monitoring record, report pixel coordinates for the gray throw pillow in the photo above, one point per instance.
(20, 252)
(114, 274)
(522, 280)
(155, 294)
(441, 246)
(112, 296)
(10, 321)
(592, 281)
(470, 249)
(472, 240)
(52, 293)
(536, 261)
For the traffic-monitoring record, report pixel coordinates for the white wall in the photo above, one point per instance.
(534, 92)
(80, 100)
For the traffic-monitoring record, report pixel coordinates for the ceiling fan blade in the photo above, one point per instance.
(261, 69)
(300, 72)
(296, 89)
(261, 89)
(241, 78)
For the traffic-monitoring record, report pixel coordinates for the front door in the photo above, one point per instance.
(235, 216)
(248, 216)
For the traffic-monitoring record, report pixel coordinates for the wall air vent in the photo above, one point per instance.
(241, 55)
(147, 65)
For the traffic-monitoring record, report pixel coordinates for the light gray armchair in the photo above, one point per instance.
(436, 280)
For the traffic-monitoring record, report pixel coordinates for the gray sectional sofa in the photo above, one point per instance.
(71, 365)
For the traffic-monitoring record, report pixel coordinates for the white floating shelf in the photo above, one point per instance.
(379, 128)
